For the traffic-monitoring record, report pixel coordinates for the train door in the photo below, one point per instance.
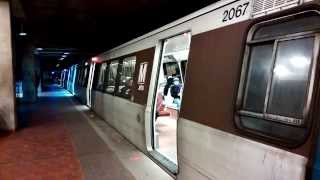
(75, 69)
(69, 79)
(62, 78)
(315, 175)
(90, 82)
(65, 78)
(168, 96)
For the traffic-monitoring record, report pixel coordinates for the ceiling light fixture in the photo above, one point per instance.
(22, 33)
(66, 53)
(64, 56)
(95, 59)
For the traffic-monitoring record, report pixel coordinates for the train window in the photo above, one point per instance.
(101, 77)
(178, 44)
(276, 82)
(85, 76)
(126, 77)
(295, 24)
(258, 75)
(82, 76)
(290, 80)
(79, 75)
(96, 76)
(112, 76)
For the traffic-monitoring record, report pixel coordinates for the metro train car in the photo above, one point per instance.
(228, 92)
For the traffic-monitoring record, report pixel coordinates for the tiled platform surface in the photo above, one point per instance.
(62, 140)
(42, 148)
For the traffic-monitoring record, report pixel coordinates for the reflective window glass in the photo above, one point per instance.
(290, 77)
(85, 76)
(179, 43)
(79, 76)
(126, 77)
(258, 76)
(112, 76)
(96, 76)
(101, 76)
(290, 26)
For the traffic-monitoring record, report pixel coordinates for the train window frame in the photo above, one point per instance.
(81, 76)
(96, 76)
(120, 74)
(85, 76)
(101, 82)
(107, 85)
(265, 124)
(78, 76)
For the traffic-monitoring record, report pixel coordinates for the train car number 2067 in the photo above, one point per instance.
(235, 12)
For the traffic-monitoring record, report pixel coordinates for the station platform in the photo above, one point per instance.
(60, 139)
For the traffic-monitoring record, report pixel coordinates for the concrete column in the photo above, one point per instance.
(7, 96)
(29, 80)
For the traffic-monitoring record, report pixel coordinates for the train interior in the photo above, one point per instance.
(169, 93)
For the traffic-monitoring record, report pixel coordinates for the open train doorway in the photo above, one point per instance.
(169, 91)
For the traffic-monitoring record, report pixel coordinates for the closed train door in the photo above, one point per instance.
(90, 82)
(168, 98)
(315, 175)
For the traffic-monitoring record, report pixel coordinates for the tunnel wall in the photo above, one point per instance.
(7, 97)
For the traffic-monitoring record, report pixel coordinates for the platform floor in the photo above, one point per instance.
(60, 139)
(166, 127)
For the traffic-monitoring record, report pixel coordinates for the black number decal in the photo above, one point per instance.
(231, 13)
(245, 8)
(238, 11)
(225, 16)
(235, 12)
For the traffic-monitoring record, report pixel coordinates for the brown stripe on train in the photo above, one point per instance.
(213, 74)
(146, 55)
